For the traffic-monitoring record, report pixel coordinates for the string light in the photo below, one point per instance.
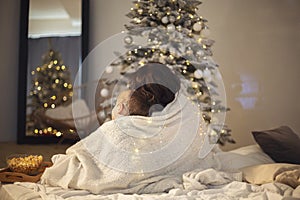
(58, 134)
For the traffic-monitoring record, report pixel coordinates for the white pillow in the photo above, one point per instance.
(242, 157)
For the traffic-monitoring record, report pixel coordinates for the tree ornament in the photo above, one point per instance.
(160, 15)
(109, 69)
(151, 8)
(153, 24)
(172, 19)
(205, 32)
(128, 40)
(140, 11)
(187, 23)
(200, 53)
(197, 26)
(165, 20)
(179, 28)
(198, 74)
(161, 3)
(104, 92)
(171, 28)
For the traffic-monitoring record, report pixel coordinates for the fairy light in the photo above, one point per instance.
(55, 62)
(56, 80)
(65, 98)
(65, 84)
(36, 131)
(33, 72)
(57, 68)
(39, 88)
(53, 105)
(38, 69)
(58, 134)
(53, 97)
(45, 105)
(70, 86)
(63, 67)
(36, 83)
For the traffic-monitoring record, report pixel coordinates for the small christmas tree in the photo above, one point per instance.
(178, 37)
(51, 87)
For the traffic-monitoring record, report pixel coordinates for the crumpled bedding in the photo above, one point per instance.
(288, 174)
(197, 185)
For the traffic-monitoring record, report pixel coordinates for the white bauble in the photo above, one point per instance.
(171, 28)
(104, 92)
(179, 28)
(205, 32)
(165, 20)
(198, 74)
(200, 53)
(197, 26)
(128, 39)
(109, 69)
(172, 19)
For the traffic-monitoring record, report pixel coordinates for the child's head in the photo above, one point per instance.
(153, 87)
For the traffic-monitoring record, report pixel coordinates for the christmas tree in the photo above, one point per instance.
(178, 37)
(51, 87)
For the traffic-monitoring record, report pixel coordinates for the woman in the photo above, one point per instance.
(155, 136)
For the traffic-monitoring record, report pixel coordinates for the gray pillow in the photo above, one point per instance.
(281, 144)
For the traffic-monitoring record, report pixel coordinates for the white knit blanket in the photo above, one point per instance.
(135, 154)
(194, 182)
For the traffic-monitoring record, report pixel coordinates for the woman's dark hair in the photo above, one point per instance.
(154, 86)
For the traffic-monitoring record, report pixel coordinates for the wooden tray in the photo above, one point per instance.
(7, 176)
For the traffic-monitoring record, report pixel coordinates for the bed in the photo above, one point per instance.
(249, 172)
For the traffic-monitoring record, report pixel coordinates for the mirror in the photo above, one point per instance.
(53, 44)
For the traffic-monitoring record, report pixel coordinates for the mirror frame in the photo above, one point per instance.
(22, 138)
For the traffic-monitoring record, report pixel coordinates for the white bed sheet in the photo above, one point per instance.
(233, 190)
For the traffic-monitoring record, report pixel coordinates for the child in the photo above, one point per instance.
(157, 139)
